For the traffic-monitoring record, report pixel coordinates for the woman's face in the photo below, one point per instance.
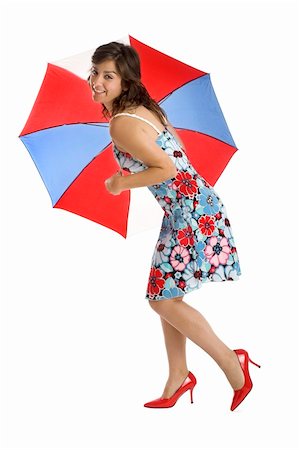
(105, 83)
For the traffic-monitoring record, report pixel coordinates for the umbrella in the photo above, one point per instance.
(68, 137)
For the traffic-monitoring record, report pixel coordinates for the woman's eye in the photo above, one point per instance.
(94, 72)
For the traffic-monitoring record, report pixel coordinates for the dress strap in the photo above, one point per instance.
(138, 117)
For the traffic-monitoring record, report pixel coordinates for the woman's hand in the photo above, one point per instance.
(113, 184)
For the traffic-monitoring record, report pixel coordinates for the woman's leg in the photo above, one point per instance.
(175, 343)
(192, 324)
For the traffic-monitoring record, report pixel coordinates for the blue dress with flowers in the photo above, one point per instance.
(195, 243)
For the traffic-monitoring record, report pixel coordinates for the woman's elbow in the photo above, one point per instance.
(172, 172)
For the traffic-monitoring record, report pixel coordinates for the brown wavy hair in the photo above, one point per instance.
(127, 62)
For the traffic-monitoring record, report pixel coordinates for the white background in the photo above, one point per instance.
(81, 349)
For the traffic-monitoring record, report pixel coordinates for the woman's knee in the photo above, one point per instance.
(159, 304)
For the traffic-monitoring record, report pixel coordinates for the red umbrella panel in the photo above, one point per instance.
(68, 137)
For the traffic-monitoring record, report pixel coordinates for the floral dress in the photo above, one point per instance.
(195, 243)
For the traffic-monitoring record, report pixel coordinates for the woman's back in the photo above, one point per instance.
(149, 115)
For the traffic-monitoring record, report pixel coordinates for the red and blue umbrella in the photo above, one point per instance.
(68, 137)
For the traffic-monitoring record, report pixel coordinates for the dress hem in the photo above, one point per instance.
(208, 280)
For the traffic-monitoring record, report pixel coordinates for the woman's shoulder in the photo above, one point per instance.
(140, 111)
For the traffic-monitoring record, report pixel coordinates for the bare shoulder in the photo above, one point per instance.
(122, 126)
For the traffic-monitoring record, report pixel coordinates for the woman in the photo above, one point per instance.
(195, 244)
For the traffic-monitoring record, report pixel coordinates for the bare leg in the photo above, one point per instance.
(192, 324)
(175, 343)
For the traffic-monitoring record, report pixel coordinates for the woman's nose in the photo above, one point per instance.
(98, 86)
(98, 80)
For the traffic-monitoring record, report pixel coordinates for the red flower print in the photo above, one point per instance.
(207, 225)
(217, 252)
(186, 236)
(156, 283)
(167, 200)
(182, 284)
(168, 275)
(179, 258)
(185, 184)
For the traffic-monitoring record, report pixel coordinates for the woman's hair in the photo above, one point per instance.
(134, 93)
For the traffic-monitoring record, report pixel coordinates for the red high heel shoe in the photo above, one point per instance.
(188, 383)
(240, 394)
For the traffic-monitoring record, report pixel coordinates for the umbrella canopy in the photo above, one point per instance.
(68, 137)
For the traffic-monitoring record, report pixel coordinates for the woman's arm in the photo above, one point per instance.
(147, 177)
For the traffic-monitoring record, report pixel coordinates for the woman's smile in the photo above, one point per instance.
(98, 92)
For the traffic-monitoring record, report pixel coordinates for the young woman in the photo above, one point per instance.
(195, 244)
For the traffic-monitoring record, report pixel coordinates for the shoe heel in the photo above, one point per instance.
(254, 362)
(191, 394)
